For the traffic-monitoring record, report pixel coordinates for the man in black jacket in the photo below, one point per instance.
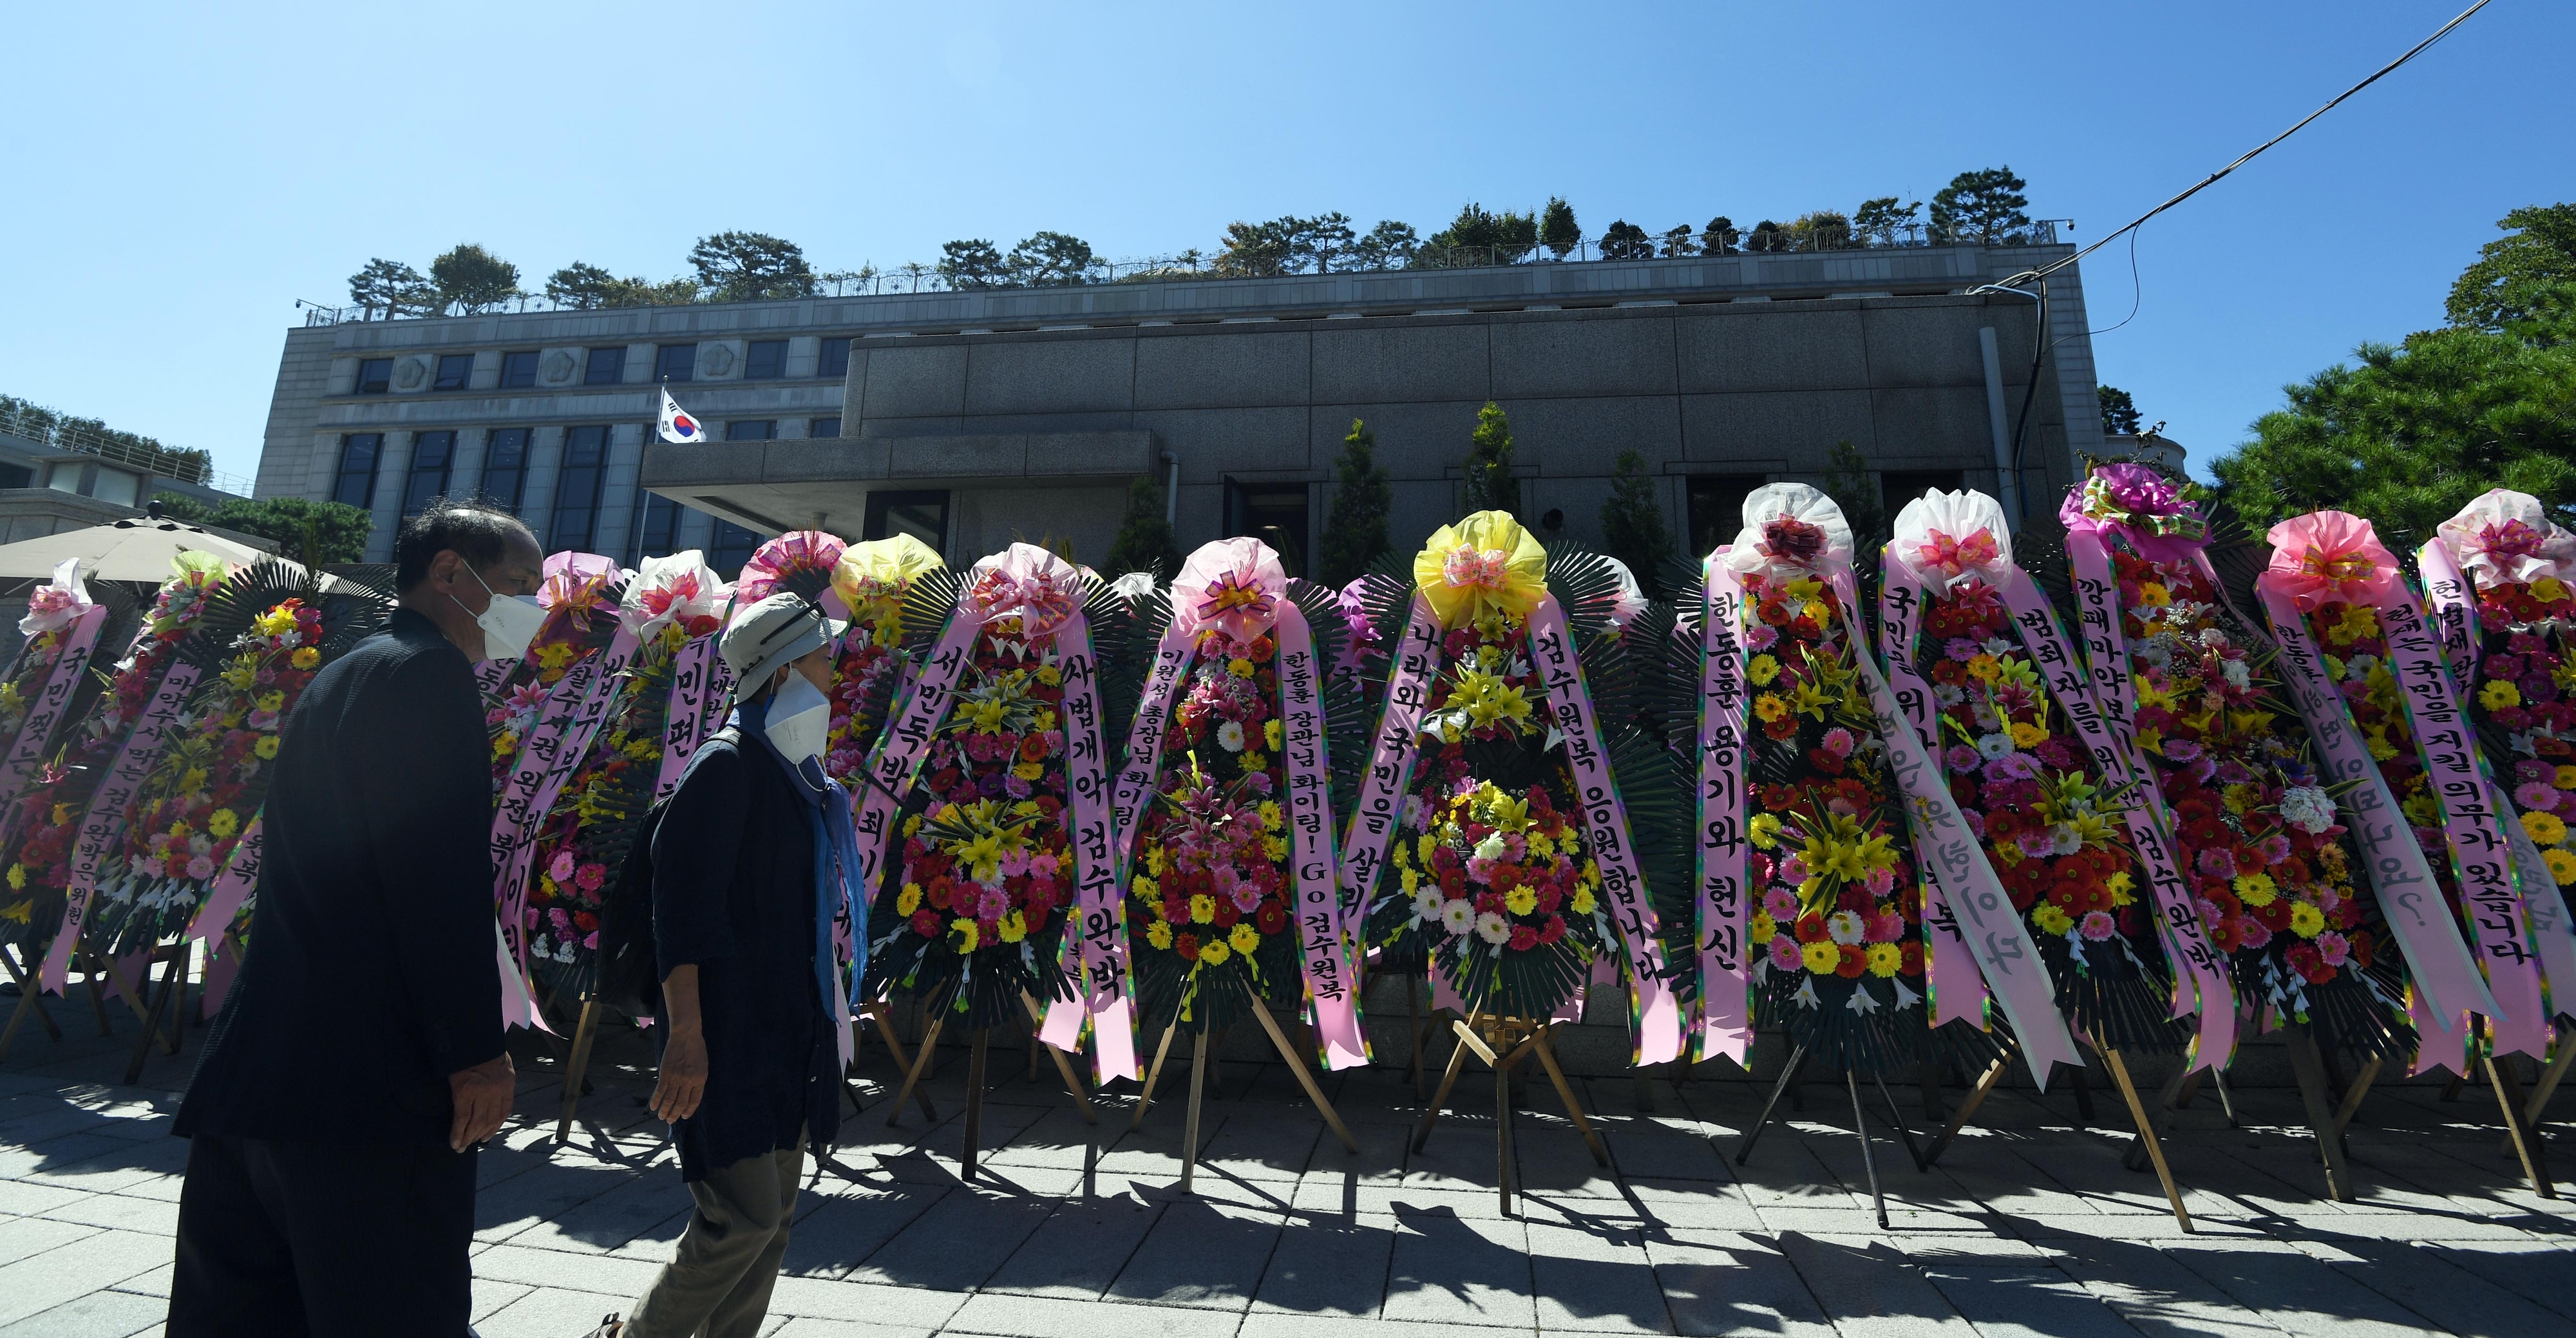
(359, 1059)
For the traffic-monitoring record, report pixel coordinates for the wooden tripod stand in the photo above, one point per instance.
(975, 1080)
(1503, 1042)
(2148, 1138)
(1789, 1072)
(1198, 1077)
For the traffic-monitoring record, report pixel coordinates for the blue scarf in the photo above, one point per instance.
(836, 858)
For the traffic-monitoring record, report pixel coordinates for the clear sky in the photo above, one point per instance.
(181, 173)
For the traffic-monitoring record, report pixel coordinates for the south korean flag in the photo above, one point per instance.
(679, 427)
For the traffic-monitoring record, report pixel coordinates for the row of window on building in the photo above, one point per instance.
(763, 360)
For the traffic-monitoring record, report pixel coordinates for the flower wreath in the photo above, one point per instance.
(577, 590)
(870, 579)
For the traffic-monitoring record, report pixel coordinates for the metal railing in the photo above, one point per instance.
(869, 281)
(63, 432)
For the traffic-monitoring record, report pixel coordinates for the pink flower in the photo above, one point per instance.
(2098, 925)
(2536, 794)
(562, 867)
(2334, 948)
(1784, 953)
(201, 868)
(1838, 742)
(2256, 934)
(2217, 863)
(1781, 904)
(1761, 636)
(589, 876)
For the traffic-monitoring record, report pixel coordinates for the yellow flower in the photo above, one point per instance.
(1582, 901)
(1275, 846)
(270, 701)
(1821, 958)
(1214, 952)
(2120, 886)
(1459, 551)
(2499, 694)
(963, 935)
(1769, 707)
(2153, 594)
(24, 912)
(223, 824)
(1253, 761)
(1050, 675)
(908, 900)
(1245, 938)
(2549, 590)
(1521, 900)
(1154, 860)
(2566, 778)
(1983, 666)
(305, 657)
(2380, 748)
(1763, 928)
(1028, 771)
(1883, 959)
(2151, 697)
(2562, 865)
(2048, 919)
(2306, 920)
(1013, 927)
(1202, 909)
(1145, 889)
(17, 877)
(1762, 670)
(1159, 934)
(2028, 735)
(2256, 889)
(1239, 667)
(1273, 734)
(1765, 830)
(276, 622)
(912, 825)
(2544, 827)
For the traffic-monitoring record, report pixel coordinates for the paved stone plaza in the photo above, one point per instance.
(2027, 1225)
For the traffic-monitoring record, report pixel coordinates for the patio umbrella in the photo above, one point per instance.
(127, 550)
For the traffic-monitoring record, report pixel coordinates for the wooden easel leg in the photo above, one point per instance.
(170, 976)
(583, 1034)
(1297, 1065)
(178, 1012)
(98, 995)
(2541, 1091)
(920, 1067)
(883, 1016)
(1928, 1075)
(2226, 1098)
(2311, 1074)
(1897, 1118)
(1565, 1093)
(1153, 1075)
(2526, 1143)
(1440, 1099)
(1503, 1134)
(1190, 1126)
(2168, 1101)
(1413, 1029)
(2147, 1132)
(2083, 1096)
(974, 1102)
(1976, 1097)
(31, 999)
(1789, 1071)
(1868, 1164)
(1063, 1064)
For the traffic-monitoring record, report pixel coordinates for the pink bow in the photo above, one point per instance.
(1465, 566)
(2328, 557)
(1028, 583)
(1233, 585)
(1952, 558)
(1789, 539)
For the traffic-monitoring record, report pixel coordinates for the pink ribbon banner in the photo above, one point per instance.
(1101, 928)
(1381, 803)
(2471, 826)
(1654, 1015)
(691, 686)
(103, 822)
(2447, 983)
(233, 886)
(1950, 973)
(2099, 699)
(46, 712)
(1332, 991)
(572, 712)
(1725, 974)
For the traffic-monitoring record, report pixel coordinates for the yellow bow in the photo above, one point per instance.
(877, 571)
(1484, 564)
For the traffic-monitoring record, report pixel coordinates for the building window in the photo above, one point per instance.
(116, 485)
(823, 427)
(585, 467)
(519, 370)
(766, 360)
(505, 466)
(676, 362)
(1275, 514)
(356, 485)
(730, 549)
(375, 376)
(758, 429)
(17, 476)
(656, 530)
(607, 367)
(455, 371)
(431, 454)
(923, 515)
(1717, 509)
(836, 359)
(1899, 486)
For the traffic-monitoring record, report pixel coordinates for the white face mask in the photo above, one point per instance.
(800, 719)
(509, 624)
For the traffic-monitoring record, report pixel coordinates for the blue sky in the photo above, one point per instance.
(183, 173)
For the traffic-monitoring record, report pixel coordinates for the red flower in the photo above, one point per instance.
(1811, 928)
(1853, 963)
(1272, 917)
(1524, 938)
(1187, 945)
(925, 922)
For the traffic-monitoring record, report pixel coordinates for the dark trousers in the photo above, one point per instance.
(280, 1239)
(718, 1282)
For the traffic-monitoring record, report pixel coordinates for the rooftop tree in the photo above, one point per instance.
(975, 263)
(394, 288)
(1984, 206)
(1626, 241)
(1557, 230)
(473, 278)
(1052, 260)
(751, 267)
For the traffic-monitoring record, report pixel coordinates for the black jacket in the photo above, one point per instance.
(371, 973)
(733, 892)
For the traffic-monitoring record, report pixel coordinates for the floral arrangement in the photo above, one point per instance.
(1494, 875)
(39, 859)
(577, 591)
(53, 610)
(586, 836)
(799, 560)
(983, 881)
(871, 579)
(208, 782)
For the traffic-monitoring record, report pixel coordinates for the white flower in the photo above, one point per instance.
(2307, 808)
(2063, 840)
(1846, 927)
(1458, 916)
(1412, 816)
(1491, 847)
(1996, 646)
(1947, 695)
(2237, 674)
(2359, 666)
(1229, 736)
(1493, 928)
(1992, 746)
(1426, 903)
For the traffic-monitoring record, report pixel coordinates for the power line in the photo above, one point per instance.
(2383, 71)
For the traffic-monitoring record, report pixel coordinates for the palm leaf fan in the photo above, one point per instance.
(239, 602)
(1586, 586)
(1657, 790)
(928, 603)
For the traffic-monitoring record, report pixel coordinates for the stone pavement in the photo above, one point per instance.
(2028, 1225)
